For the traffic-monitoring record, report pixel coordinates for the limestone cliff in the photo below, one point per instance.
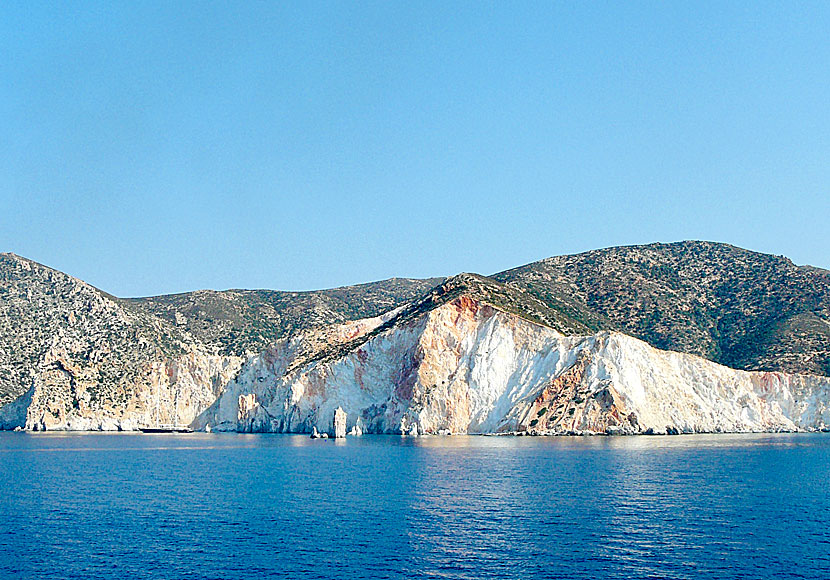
(474, 354)
(74, 357)
(468, 367)
(77, 358)
(168, 392)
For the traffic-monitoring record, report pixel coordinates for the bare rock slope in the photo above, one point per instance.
(74, 357)
(467, 366)
(566, 345)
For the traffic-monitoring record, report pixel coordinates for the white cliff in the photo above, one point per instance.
(463, 366)
(166, 391)
(510, 353)
(339, 423)
(169, 392)
(467, 367)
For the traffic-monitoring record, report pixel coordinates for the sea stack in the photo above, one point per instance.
(339, 422)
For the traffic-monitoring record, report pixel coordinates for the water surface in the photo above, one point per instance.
(204, 506)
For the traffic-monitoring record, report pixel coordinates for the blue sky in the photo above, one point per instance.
(163, 147)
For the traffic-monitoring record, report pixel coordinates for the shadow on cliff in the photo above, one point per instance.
(13, 415)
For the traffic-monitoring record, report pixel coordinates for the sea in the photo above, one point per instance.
(234, 506)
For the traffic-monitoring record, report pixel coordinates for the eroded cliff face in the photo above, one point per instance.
(73, 357)
(166, 392)
(511, 353)
(67, 392)
(51, 323)
(619, 384)
(471, 356)
(467, 367)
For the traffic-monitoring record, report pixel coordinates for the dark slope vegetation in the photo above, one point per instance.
(740, 308)
(240, 321)
(55, 328)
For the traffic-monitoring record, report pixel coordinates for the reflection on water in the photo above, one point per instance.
(280, 506)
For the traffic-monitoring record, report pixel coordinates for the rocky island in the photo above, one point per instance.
(689, 337)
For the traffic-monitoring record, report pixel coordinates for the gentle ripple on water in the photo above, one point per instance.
(202, 506)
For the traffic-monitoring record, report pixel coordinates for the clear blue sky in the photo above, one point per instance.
(162, 147)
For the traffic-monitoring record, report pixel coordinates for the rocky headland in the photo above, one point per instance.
(692, 337)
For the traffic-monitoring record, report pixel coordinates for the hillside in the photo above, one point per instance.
(56, 327)
(63, 334)
(464, 366)
(467, 286)
(75, 357)
(739, 308)
(235, 322)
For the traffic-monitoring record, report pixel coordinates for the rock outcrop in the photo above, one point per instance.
(339, 423)
(76, 358)
(468, 367)
(171, 392)
(543, 349)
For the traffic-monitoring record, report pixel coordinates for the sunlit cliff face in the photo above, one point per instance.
(472, 355)
(467, 367)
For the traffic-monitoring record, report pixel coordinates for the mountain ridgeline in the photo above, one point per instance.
(739, 308)
(75, 357)
(236, 322)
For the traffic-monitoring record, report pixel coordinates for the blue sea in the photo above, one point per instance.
(228, 506)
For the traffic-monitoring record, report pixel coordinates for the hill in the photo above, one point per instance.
(739, 308)
(74, 357)
(236, 322)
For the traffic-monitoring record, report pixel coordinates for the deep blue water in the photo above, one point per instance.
(278, 506)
